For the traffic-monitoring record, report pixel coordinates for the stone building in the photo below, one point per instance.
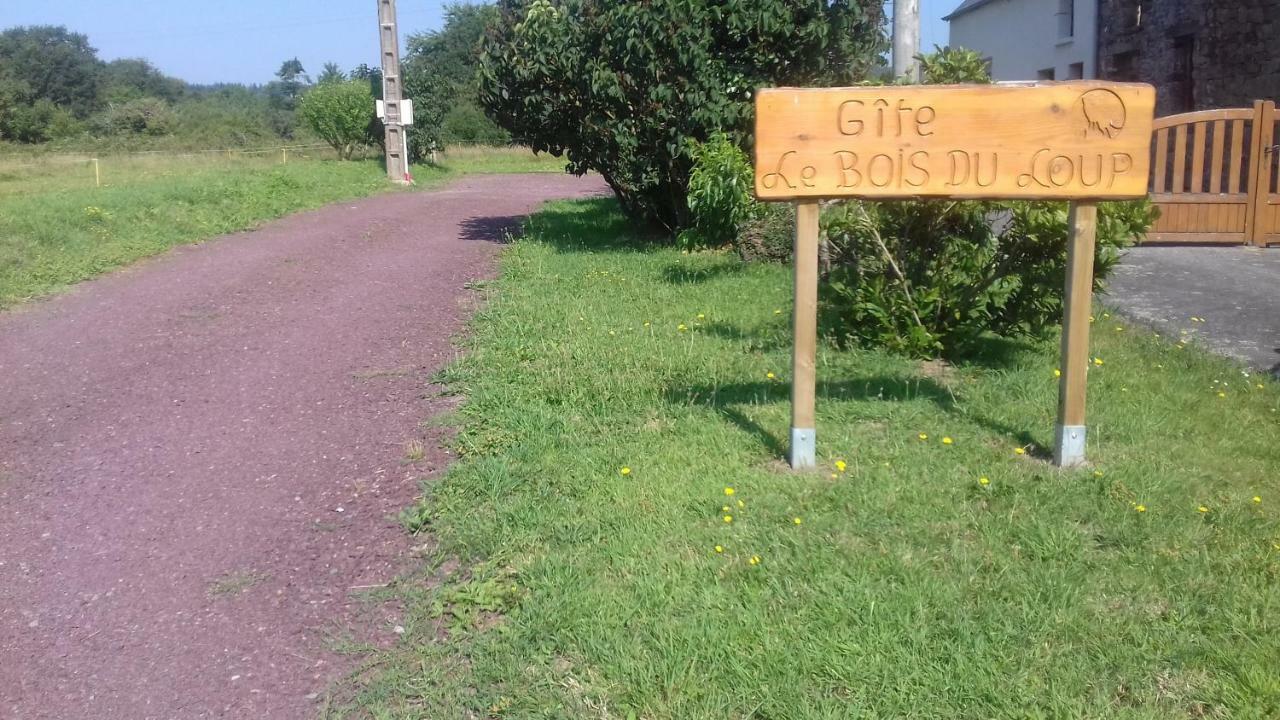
(1200, 54)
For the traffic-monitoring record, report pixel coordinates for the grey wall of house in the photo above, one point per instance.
(1200, 54)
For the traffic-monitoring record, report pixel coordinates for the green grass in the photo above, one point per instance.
(909, 589)
(57, 228)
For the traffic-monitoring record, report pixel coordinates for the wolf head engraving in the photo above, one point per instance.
(1104, 113)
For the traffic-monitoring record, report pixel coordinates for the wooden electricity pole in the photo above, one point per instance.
(906, 39)
(392, 94)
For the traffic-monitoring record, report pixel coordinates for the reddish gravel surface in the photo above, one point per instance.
(202, 456)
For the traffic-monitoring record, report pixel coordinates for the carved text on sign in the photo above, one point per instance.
(1070, 140)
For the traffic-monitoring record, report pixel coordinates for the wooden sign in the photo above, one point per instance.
(1079, 141)
(1076, 140)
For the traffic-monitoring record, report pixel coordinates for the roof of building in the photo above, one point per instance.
(966, 7)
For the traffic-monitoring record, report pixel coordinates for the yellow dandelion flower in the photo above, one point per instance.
(1119, 329)
(1097, 473)
(702, 316)
(755, 560)
(777, 312)
(840, 465)
(1222, 394)
(770, 375)
(729, 491)
(1140, 508)
(923, 436)
(1256, 499)
(682, 327)
(1106, 315)
(984, 481)
(1097, 361)
(947, 441)
(647, 323)
(719, 548)
(741, 504)
(625, 471)
(797, 521)
(1092, 318)
(1057, 372)
(1261, 386)
(728, 518)
(724, 509)
(1202, 509)
(1019, 451)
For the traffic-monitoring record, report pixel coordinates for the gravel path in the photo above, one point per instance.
(201, 456)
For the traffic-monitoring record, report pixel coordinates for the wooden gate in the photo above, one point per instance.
(1214, 177)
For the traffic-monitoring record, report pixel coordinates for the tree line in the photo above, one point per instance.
(55, 88)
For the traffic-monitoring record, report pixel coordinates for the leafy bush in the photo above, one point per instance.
(466, 124)
(339, 113)
(952, 66)
(621, 87)
(720, 192)
(928, 278)
(142, 116)
(769, 235)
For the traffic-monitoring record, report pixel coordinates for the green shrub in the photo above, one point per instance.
(141, 116)
(952, 66)
(621, 87)
(769, 235)
(930, 278)
(339, 113)
(720, 195)
(466, 124)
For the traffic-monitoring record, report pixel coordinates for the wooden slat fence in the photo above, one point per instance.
(1214, 177)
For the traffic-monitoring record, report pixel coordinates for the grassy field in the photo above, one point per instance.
(632, 546)
(57, 227)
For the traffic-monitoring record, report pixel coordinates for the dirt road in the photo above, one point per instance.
(201, 456)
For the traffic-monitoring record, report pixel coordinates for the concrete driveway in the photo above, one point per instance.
(1235, 290)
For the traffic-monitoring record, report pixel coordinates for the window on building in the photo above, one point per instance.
(1124, 67)
(1134, 13)
(1075, 71)
(1182, 86)
(1046, 74)
(1066, 19)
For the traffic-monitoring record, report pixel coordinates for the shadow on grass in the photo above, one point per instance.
(729, 400)
(678, 274)
(590, 225)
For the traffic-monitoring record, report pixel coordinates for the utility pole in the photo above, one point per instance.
(392, 94)
(906, 39)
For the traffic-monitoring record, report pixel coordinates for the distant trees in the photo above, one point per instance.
(331, 73)
(440, 75)
(339, 113)
(133, 78)
(51, 63)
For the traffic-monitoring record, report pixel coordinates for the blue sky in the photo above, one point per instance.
(245, 40)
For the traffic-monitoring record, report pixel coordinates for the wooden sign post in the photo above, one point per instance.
(1078, 141)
